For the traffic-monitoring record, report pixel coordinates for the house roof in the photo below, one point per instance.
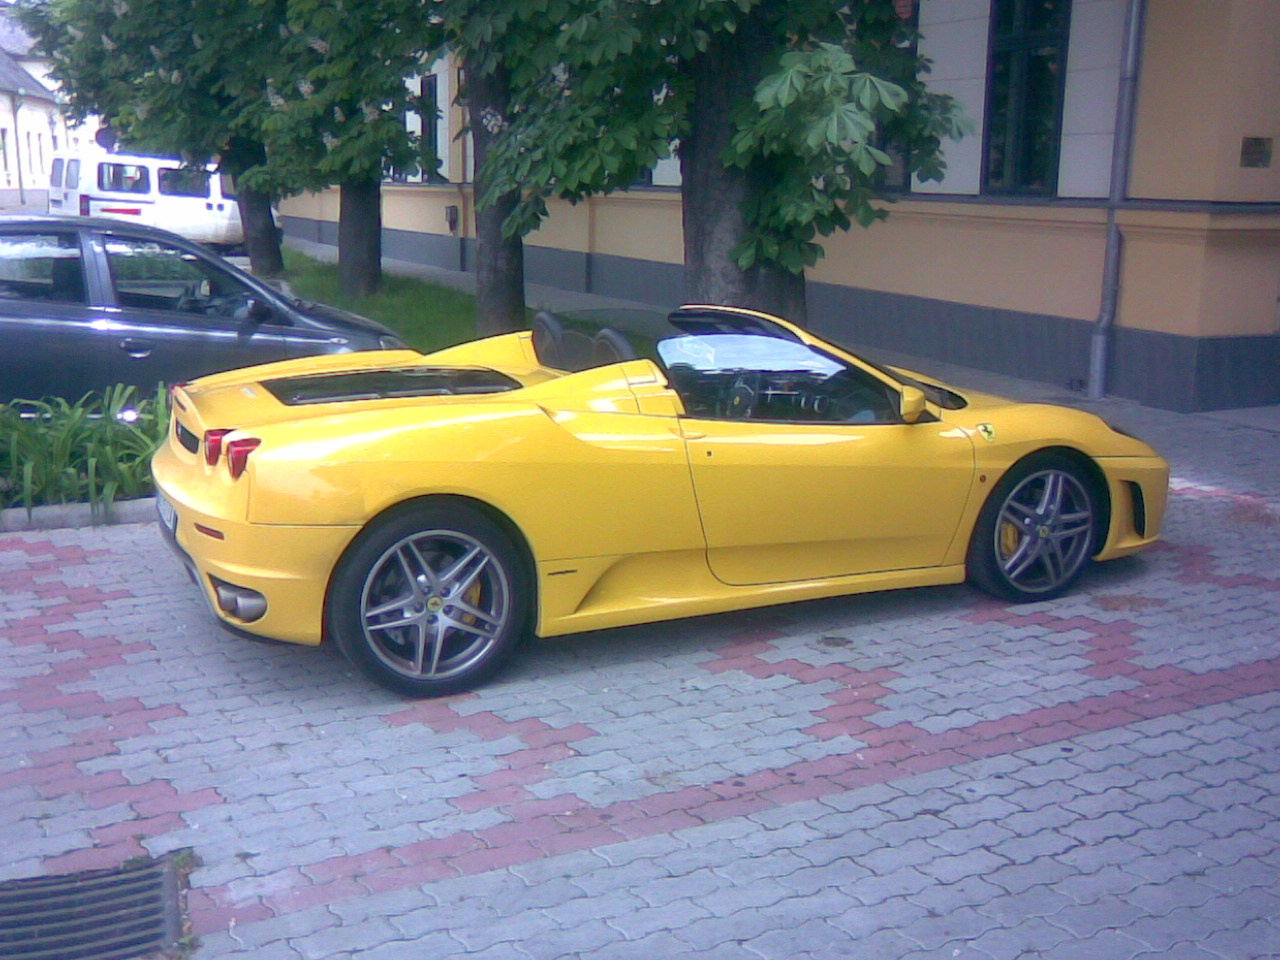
(15, 78)
(16, 42)
(13, 39)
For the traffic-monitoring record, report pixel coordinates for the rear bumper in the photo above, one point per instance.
(289, 565)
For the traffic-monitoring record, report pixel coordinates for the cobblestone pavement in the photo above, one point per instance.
(927, 773)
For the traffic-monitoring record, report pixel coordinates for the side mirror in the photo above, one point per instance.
(911, 406)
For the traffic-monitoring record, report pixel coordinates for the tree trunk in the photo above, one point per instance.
(713, 195)
(261, 238)
(360, 237)
(500, 305)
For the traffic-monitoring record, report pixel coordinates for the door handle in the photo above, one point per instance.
(138, 349)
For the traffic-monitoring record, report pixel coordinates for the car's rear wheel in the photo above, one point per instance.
(430, 600)
(1037, 530)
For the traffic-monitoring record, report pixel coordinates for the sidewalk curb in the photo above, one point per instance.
(63, 515)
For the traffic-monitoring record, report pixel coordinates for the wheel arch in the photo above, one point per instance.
(490, 512)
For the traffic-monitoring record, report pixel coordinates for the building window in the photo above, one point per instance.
(896, 177)
(426, 106)
(1026, 79)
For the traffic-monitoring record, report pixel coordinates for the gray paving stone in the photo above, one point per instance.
(435, 945)
(876, 889)
(1173, 836)
(1256, 940)
(1103, 945)
(664, 890)
(661, 944)
(1106, 827)
(988, 810)
(812, 938)
(785, 865)
(1034, 937)
(354, 939)
(1183, 925)
(1082, 921)
(1019, 877)
(865, 920)
(884, 860)
(582, 939)
(1176, 893)
(974, 863)
(224, 944)
(942, 898)
(637, 873)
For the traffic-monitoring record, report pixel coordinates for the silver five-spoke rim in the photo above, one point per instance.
(1044, 531)
(434, 604)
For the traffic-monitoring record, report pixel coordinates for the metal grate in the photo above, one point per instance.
(116, 914)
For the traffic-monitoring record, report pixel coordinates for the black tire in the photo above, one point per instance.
(1038, 529)
(430, 599)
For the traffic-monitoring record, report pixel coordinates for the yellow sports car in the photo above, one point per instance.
(424, 512)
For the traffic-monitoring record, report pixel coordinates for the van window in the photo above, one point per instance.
(73, 174)
(55, 175)
(124, 178)
(227, 184)
(184, 182)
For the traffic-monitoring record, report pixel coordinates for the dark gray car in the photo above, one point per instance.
(85, 303)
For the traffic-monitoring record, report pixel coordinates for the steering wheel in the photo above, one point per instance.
(739, 402)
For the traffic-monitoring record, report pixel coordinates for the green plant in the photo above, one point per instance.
(427, 316)
(95, 450)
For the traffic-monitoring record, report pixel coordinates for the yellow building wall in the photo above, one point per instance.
(423, 208)
(1031, 259)
(1210, 77)
(644, 225)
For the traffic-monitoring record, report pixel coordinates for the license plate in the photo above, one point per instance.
(168, 515)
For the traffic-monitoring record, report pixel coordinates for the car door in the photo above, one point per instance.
(179, 315)
(55, 203)
(53, 340)
(803, 468)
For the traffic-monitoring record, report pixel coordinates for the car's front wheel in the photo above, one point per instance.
(430, 600)
(1036, 531)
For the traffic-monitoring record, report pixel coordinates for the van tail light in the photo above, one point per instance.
(213, 446)
(84, 204)
(238, 451)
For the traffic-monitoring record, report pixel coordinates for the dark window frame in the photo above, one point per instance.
(1013, 37)
(896, 179)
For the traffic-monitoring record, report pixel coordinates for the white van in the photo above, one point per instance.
(157, 191)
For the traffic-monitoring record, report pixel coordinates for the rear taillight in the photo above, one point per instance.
(84, 205)
(238, 454)
(213, 446)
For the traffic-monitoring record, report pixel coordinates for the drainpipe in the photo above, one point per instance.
(16, 100)
(1121, 156)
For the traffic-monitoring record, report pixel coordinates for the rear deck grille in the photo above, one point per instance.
(116, 914)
